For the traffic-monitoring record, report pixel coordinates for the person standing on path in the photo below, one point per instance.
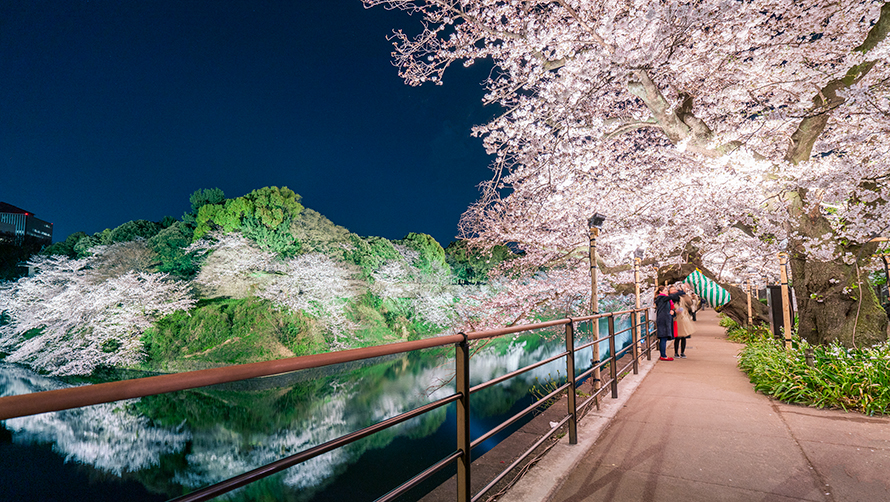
(696, 301)
(664, 321)
(685, 328)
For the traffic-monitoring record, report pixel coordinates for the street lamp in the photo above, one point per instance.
(594, 223)
(886, 259)
(786, 303)
(635, 317)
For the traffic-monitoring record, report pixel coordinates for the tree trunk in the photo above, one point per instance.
(834, 304)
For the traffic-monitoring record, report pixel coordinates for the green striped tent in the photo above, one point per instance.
(708, 289)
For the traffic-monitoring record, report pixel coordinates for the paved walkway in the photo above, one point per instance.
(695, 430)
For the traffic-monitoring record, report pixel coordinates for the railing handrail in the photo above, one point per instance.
(88, 395)
(76, 397)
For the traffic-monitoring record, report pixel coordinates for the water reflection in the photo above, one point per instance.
(178, 442)
(111, 437)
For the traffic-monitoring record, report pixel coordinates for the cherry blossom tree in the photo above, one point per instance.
(317, 285)
(68, 318)
(687, 123)
(430, 294)
(232, 265)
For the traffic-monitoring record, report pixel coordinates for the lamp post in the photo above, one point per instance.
(750, 317)
(886, 259)
(786, 308)
(635, 318)
(594, 223)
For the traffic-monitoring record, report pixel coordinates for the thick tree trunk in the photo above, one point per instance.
(835, 300)
(836, 304)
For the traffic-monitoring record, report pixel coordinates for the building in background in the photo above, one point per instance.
(17, 224)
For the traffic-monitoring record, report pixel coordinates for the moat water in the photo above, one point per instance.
(160, 447)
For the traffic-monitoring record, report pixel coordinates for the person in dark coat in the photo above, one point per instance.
(664, 321)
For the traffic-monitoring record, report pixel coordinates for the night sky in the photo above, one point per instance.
(118, 110)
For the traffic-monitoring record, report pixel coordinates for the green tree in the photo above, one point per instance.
(432, 256)
(65, 247)
(134, 229)
(169, 245)
(167, 221)
(82, 248)
(473, 265)
(369, 253)
(200, 198)
(264, 216)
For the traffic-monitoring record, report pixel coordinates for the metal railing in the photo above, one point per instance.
(642, 336)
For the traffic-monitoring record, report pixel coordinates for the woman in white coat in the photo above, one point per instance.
(683, 318)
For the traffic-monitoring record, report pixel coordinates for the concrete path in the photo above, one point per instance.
(695, 430)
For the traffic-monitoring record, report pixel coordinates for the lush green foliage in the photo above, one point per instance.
(227, 331)
(381, 321)
(370, 253)
(740, 334)
(201, 197)
(472, 266)
(432, 256)
(264, 216)
(851, 379)
(169, 246)
(66, 247)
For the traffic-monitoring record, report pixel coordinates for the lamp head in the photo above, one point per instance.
(596, 221)
(639, 252)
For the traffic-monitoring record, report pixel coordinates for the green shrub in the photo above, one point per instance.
(740, 334)
(370, 253)
(229, 331)
(850, 379)
(726, 322)
(432, 256)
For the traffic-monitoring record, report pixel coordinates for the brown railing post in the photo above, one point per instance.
(635, 316)
(462, 383)
(634, 319)
(613, 360)
(648, 336)
(570, 376)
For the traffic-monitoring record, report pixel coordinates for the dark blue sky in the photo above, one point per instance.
(112, 111)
